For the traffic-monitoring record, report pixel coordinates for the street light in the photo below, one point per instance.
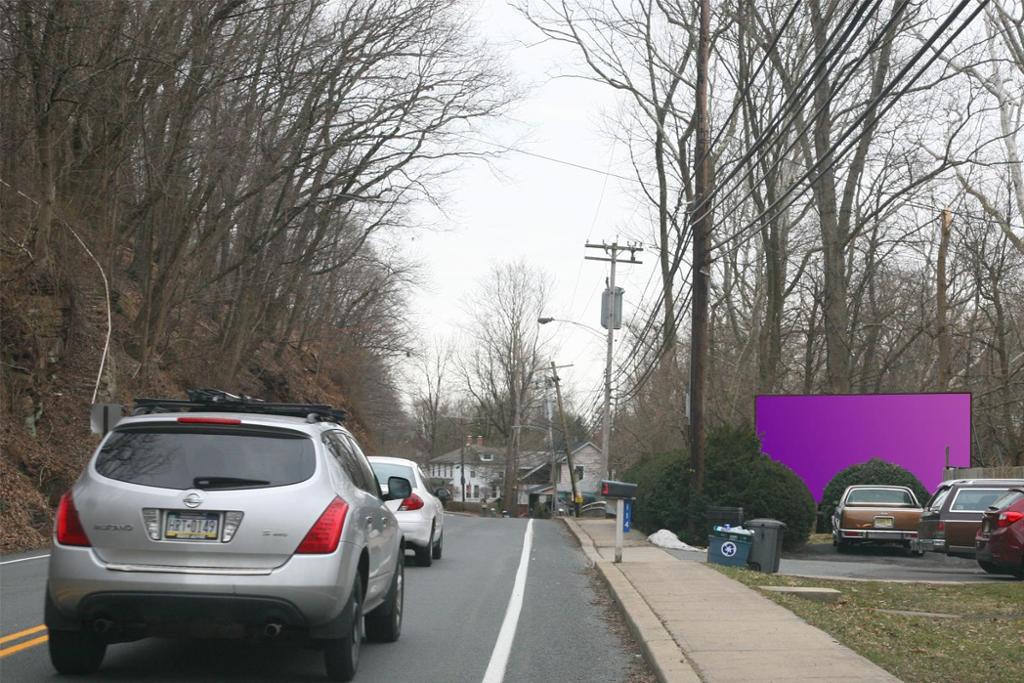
(606, 425)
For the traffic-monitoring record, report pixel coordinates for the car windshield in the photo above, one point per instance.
(384, 470)
(1007, 500)
(183, 458)
(880, 497)
(975, 500)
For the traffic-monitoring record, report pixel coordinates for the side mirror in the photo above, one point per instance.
(399, 488)
(442, 493)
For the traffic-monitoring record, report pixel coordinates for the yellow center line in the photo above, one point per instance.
(23, 646)
(22, 634)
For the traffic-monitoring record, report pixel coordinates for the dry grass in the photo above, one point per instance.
(983, 645)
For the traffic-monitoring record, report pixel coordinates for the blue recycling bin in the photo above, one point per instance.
(730, 549)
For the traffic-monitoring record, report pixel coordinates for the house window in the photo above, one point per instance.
(579, 472)
(487, 457)
(476, 491)
(472, 474)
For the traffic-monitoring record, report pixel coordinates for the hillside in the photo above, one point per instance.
(53, 335)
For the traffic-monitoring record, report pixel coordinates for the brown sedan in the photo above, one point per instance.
(952, 517)
(875, 514)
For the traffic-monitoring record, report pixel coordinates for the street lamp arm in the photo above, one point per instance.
(546, 320)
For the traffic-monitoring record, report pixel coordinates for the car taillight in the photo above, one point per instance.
(1008, 518)
(69, 526)
(323, 537)
(941, 526)
(413, 502)
(209, 420)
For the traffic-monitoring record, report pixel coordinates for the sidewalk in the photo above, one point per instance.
(696, 624)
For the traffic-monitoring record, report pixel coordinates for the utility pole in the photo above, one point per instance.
(551, 448)
(942, 306)
(462, 471)
(576, 498)
(610, 321)
(701, 221)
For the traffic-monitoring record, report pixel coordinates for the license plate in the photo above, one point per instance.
(883, 522)
(192, 526)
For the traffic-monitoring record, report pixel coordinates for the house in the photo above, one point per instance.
(485, 472)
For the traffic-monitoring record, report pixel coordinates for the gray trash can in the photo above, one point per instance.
(767, 547)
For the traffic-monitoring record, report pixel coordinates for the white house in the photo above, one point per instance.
(485, 472)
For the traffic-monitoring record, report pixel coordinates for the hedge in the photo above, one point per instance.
(737, 474)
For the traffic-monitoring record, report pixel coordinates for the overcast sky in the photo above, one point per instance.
(538, 210)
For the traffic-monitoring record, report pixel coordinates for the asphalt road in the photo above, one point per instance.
(873, 563)
(454, 612)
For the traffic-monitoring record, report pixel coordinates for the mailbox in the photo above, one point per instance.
(617, 489)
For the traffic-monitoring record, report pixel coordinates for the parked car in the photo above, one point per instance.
(953, 515)
(875, 515)
(421, 514)
(221, 517)
(999, 545)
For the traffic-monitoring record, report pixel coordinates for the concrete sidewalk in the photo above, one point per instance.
(696, 624)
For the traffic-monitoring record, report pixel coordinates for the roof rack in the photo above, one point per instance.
(215, 400)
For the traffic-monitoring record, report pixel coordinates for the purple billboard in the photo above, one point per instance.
(818, 436)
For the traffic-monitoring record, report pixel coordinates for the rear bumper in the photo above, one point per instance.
(880, 535)
(1002, 552)
(928, 545)
(309, 591)
(415, 528)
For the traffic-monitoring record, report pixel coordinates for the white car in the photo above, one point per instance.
(421, 515)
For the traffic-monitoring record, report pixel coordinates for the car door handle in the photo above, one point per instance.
(369, 519)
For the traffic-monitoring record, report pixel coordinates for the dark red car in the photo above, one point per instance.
(1000, 540)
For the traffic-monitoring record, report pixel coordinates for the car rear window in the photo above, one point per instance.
(880, 497)
(175, 457)
(975, 500)
(1007, 500)
(383, 470)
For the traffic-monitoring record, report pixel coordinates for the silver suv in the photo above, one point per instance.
(226, 517)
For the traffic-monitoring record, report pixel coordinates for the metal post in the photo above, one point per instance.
(620, 518)
(606, 427)
(462, 474)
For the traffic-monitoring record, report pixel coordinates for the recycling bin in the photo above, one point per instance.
(729, 547)
(767, 544)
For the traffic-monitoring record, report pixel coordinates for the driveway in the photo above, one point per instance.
(892, 564)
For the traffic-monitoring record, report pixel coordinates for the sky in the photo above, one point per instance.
(521, 206)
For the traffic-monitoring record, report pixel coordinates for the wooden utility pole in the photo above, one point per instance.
(576, 499)
(942, 306)
(701, 221)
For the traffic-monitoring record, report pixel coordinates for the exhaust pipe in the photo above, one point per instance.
(272, 630)
(102, 626)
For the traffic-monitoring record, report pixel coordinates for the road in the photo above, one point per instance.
(454, 611)
(881, 563)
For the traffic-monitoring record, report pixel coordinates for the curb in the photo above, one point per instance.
(662, 653)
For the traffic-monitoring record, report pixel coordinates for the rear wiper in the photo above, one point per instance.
(225, 482)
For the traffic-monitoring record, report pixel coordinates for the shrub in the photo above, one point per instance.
(873, 471)
(737, 474)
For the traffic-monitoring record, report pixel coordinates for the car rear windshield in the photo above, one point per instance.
(383, 470)
(174, 457)
(1007, 500)
(880, 497)
(975, 500)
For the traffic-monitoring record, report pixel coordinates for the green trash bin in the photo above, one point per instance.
(729, 546)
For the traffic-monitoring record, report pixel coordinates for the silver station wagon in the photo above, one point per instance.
(226, 517)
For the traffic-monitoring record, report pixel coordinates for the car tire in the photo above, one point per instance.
(425, 555)
(384, 624)
(76, 652)
(990, 568)
(341, 655)
(438, 547)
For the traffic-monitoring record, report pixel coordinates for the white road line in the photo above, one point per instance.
(503, 646)
(25, 559)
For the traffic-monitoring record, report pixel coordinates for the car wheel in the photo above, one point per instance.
(384, 624)
(438, 547)
(341, 655)
(425, 555)
(989, 567)
(76, 652)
